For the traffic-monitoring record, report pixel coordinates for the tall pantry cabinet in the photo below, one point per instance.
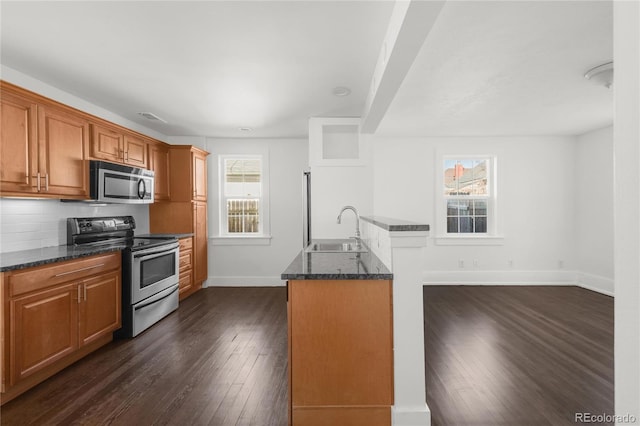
(186, 210)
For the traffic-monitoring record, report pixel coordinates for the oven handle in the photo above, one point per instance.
(156, 250)
(157, 297)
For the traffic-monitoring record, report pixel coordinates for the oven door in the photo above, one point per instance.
(153, 270)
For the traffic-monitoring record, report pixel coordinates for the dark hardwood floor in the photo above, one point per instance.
(517, 355)
(495, 356)
(221, 359)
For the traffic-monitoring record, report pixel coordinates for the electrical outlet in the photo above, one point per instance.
(510, 263)
(560, 264)
(475, 263)
(461, 263)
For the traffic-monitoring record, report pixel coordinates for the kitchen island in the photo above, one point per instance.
(340, 328)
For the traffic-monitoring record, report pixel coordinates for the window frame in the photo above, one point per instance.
(491, 236)
(261, 237)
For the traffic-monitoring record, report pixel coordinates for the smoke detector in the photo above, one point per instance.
(151, 116)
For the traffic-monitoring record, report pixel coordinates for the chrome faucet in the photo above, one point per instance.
(353, 209)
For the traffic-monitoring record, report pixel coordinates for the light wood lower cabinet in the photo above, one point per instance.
(340, 352)
(186, 267)
(55, 314)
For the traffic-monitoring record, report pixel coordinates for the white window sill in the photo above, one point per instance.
(484, 240)
(241, 240)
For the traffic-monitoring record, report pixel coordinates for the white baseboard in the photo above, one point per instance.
(477, 277)
(596, 283)
(585, 280)
(253, 281)
(410, 416)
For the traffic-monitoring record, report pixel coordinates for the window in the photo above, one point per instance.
(466, 200)
(242, 206)
(466, 189)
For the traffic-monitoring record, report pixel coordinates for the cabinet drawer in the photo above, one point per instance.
(26, 280)
(186, 244)
(186, 260)
(184, 274)
(185, 281)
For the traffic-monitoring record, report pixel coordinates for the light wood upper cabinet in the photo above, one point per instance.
(106, 144)
(18, 144)
(112, 144)
(43, 148)
(188, 173)
(135, 151)
(63, 147)
(159, 163)
(199, 161)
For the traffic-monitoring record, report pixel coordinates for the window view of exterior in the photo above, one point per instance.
(466, 190)
(242, 193)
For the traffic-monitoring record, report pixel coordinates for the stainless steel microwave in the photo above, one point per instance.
(117, 183)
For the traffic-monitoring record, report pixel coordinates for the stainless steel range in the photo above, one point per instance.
(150, 268)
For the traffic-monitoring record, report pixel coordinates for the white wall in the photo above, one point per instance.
(333, 188)
(626, 56)
(593, 212)
(32, 224)
(250, 264)
(535, 203)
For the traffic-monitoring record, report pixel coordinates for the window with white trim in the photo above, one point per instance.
(242, 206)
(466, 199)
(467, 192)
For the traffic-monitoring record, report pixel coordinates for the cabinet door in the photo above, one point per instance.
(44, 329)
(63, 150)
(135, 151)
(159, 163)
(200, 241)
(106, 144)
(199, 176)
(18, 145)
(100, 310)
(341, 347)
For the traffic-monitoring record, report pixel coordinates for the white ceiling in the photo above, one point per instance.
(486, 68)
(508, 68)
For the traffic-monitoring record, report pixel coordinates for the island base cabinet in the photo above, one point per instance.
(340, 352)
(343, 416)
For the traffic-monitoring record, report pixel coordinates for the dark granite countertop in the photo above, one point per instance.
(186, 235)
(42, 256)
(336, 266)
(394, 225)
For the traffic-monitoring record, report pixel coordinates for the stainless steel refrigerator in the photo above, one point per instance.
(306, 208)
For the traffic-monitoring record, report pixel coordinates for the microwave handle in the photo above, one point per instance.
(143, 192)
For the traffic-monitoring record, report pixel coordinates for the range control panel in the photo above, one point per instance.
(86, 225)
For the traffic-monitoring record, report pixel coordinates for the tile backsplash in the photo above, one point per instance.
(31, 224)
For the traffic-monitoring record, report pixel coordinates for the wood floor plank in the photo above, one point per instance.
(512, 355)
(494, 356)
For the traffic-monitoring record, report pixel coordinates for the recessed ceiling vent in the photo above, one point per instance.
(151, 116)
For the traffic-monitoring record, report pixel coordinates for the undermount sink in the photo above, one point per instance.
(335, 247)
